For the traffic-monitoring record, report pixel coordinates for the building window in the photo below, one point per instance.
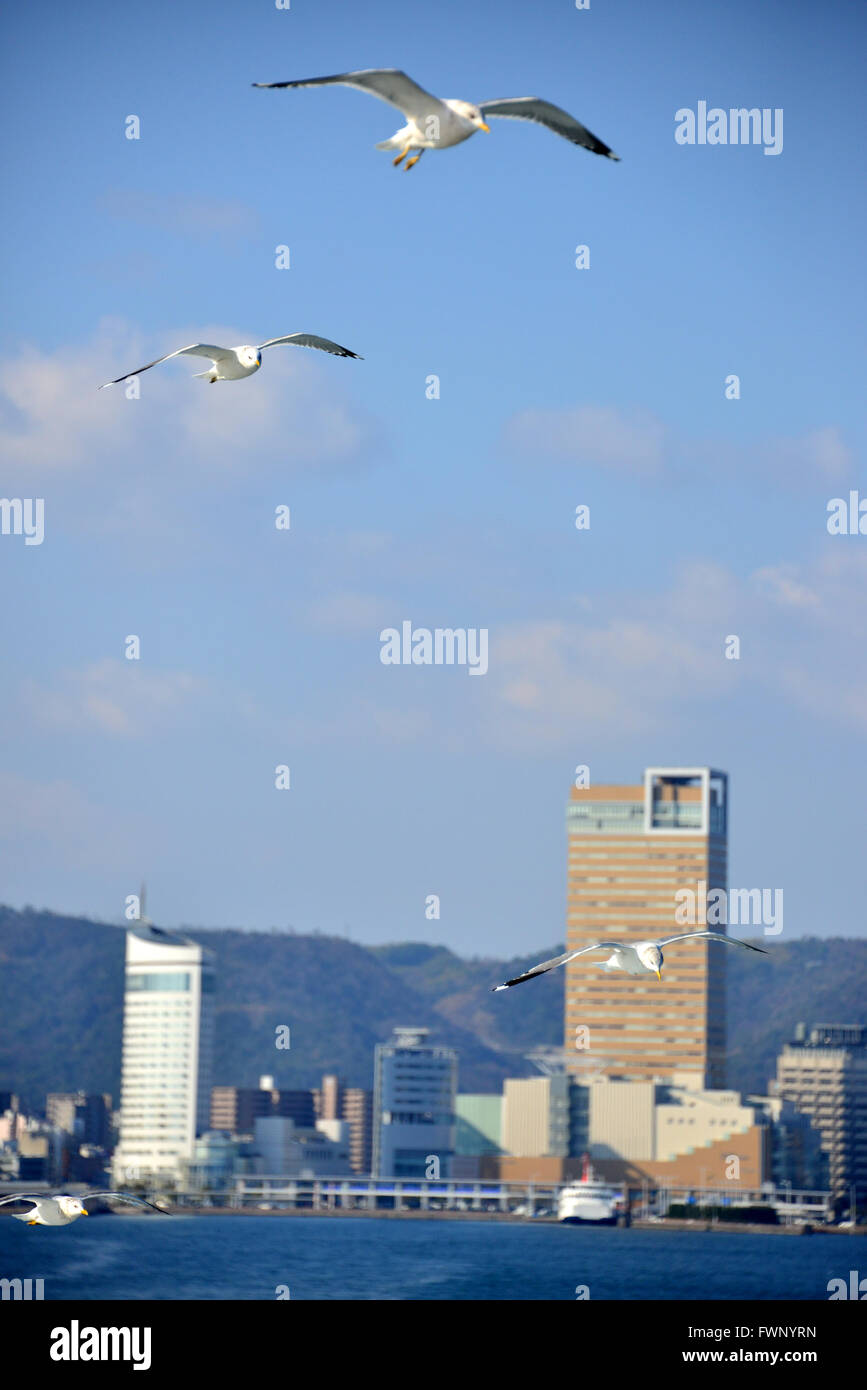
(158, 980)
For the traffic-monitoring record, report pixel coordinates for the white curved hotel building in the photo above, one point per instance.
(168, 1034)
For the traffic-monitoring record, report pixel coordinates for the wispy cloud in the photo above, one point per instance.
(55, 822)
(296, 414)
(352, 613)
(629, 442)
(637, 443)
(642, 660)
(185, 214)
(119, 698)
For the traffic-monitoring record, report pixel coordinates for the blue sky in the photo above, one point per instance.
(558, 387)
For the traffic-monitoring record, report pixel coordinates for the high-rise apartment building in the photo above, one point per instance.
(632, 849)
(329, 1098)
(824, 1074)
(86, 1117)
(415, 1083)
(168, 1034)
(357, 1110)
(235, 1109)
(335, 1101)
(298, 1106)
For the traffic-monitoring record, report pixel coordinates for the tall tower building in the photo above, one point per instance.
(168, 1035)
(632, 849)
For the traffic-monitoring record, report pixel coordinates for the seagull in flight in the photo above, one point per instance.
(62, 1210)
(233, 363)
(642, 958)
(433, 124)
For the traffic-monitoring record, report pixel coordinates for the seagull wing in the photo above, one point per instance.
(559, 960)
(310, 340)
(216, 354)
(710, 936)
(389, 84)
(125, 1197)
(544, 113)
(24, 1197)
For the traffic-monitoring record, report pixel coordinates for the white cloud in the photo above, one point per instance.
(636, 442)
(781, 584)
(647, 660)
(626, 441)
(53, 822)
(295, 415)
(120, 698)
(183, 213)
(823, 453)
(351, 613)
(630, 669)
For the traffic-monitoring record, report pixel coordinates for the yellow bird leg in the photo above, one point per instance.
(410, 162)
(401, 156)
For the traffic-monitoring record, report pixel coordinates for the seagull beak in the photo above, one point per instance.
(482, 126)
(83, 1212)
(659, 974)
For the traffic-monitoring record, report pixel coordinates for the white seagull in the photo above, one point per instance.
(233, 363)
(642, 958)
(62, 1209)
(433, 124)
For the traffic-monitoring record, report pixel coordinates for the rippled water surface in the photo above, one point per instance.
(248, 1257)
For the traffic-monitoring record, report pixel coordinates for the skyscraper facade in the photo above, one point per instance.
(168, 1034)
(632, 850)
(415, 1083)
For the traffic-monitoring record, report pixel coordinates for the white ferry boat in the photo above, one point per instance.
(590, 1201)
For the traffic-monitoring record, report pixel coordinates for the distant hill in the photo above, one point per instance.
(61, 1005)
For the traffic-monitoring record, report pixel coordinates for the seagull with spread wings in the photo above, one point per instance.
(234, 363)
(433, 124)
(62, 1210)
(640, 958)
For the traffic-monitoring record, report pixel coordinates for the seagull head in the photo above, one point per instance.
(71, 1207)
(651, 957)
(249, 356)
(472, 114)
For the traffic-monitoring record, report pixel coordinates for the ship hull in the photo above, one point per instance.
(588, 1220)
(600, 1208)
